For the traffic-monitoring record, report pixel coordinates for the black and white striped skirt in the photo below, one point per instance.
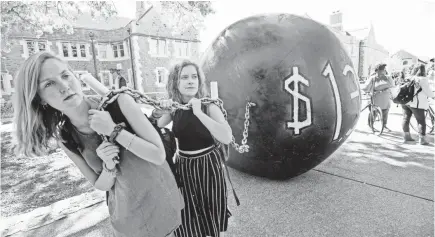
(205, 193)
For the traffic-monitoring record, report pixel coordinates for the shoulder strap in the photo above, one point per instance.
(229, 179)
(206, 109)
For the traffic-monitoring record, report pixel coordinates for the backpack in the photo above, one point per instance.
(168, 139)
(405, 93)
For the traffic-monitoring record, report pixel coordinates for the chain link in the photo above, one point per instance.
(112, 95)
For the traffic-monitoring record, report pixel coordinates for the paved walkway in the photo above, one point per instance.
(372, 186)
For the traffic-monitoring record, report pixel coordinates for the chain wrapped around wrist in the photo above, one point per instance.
(116, 131)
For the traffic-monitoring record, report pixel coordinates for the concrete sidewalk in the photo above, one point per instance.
(372, 186)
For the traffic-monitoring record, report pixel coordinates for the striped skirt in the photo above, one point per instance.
(205, 193)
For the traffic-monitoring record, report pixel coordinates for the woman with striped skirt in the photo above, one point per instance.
(199, 160)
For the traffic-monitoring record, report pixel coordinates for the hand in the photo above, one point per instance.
(107, 151)
(166, 106)
(196, 105)
(101, 122)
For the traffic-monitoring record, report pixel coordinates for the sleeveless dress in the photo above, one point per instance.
(145, 200)
(202, 178)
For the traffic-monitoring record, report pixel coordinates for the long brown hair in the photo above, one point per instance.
(174, 80)
(35, 123)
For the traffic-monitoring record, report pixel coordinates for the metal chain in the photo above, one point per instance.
(144, 99)
(244, 147)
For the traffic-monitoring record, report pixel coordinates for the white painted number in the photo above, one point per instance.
(327, 72)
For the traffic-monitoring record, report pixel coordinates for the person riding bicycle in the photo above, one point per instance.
(418, 105)
(379, 86)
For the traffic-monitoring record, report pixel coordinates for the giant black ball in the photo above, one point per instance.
(304, 86)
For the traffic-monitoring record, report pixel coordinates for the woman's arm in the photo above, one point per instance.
(216, 124)
(103, 182)
(164, 120)
(367, 87)
(148, 144)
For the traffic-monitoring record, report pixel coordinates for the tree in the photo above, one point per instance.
(181, 14)
(37, 17)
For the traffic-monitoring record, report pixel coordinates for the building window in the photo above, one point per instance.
(65, 47)
(31, 47)
(83, 51)
(181, 48)
(405, 62)
(35, 46)
(161, 76)
(118, 50)
(74, 50)
(158, 47)
(102, 51)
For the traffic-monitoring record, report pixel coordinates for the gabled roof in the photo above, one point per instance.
(360, 34)
(404, 54)
(99, 23)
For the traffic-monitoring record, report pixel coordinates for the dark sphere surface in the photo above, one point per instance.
(304, 86)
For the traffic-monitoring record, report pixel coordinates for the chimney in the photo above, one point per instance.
(142, 7)
(336, 20)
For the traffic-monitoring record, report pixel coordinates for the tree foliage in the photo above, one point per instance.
(37, 17)
(181, 14)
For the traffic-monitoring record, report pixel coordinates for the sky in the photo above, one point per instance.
(398, 24)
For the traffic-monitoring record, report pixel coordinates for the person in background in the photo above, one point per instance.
(418, 105)
(379, 85)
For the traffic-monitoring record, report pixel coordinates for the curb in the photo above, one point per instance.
(46, 215)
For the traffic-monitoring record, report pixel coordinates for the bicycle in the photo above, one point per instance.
(430, 120)
(375, 118)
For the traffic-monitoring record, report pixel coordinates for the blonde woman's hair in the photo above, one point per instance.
(35, 123)
(174, 80)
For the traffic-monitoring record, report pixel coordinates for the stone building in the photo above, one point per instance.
(144, 62)
(403, 59)
(361, 46)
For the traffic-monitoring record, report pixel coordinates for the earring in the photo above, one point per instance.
(44, 106)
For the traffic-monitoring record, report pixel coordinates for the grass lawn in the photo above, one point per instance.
(29, 183)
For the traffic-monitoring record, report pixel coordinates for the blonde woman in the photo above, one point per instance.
(199, 160)
(144, 199)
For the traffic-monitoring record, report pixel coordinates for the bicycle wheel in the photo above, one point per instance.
(430, 120)
(376, 120)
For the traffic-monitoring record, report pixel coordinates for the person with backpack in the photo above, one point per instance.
(418, 105)
(379, 85)
(144, 199)
(200, 160)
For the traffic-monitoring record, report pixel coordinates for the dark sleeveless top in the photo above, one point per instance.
(190, 131)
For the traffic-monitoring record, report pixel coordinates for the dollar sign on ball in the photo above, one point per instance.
(296, 79)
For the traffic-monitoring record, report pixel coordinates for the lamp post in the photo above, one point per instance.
(92, 35)
(131, 58)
